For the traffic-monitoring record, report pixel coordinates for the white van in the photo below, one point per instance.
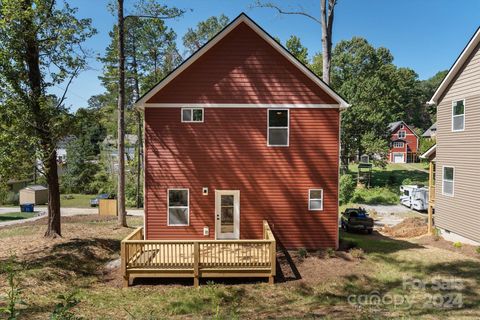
(414, 197)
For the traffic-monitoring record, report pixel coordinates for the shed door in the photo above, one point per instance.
(227, 214)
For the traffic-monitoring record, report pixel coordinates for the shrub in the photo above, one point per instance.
(330, 252)
(347, 188)
(13, 297)
(377, 195)
(477, 250)
(62, 309)
(457, 244)
(302, 253)
(357, 253)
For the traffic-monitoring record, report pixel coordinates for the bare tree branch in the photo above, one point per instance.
(74, 74)
(270, 5)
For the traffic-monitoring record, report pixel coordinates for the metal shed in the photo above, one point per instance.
(34, 194)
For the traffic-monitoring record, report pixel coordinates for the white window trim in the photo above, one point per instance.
(168, 207)
(463, 115)
(452, 181)
(404, 134)
(309, 199)
(191, 110)
(396, 144)
(287, 127)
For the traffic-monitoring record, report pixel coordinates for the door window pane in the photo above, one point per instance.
(226, 213)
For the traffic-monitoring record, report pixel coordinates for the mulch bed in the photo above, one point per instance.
(439, 242)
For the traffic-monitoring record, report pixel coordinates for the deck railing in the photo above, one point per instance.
(198, 258)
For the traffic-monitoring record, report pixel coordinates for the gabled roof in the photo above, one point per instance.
(393, 125)
(140, 103)
(430, 131)
(456, 67)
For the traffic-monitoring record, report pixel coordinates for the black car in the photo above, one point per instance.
(356, 219)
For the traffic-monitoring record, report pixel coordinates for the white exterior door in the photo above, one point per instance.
(399, 158)
(227, 214)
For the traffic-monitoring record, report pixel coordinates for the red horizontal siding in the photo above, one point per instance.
(242, 68)
(410, 141)
(229, 152)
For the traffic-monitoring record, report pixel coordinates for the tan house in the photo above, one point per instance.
(457, 153)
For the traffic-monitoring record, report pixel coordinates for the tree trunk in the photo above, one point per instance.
(32, 58)
(54, 225)
(139, 121)
(122, 220)
(326, 17)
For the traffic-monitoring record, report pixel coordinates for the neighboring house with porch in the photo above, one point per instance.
(457, 152)
(241, 154)
(403, 143)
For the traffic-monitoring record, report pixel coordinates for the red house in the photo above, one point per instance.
(239, 133)
(403, 143)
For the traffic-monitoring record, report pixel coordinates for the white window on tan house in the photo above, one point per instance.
(458, 115)
(448, 181)
(192, 115)
(178, 207)
(315, 199)
(278, 128)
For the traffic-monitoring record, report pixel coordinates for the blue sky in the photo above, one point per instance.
(425, 35)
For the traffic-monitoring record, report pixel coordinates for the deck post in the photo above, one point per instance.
(431, 197)
(273, 258)
(196, 261)
(123, 263)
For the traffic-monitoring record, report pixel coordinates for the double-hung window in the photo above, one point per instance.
(448, 178)
(192, 115)
(315, 199)
(178, 207)
(458, 115)
(278, 128)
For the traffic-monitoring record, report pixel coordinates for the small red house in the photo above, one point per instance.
(403, 143)
(239, 133)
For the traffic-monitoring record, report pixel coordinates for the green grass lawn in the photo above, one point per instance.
(77, 200)
(386, 182)
(15, 216)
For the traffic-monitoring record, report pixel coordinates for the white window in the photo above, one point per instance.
(398, 144)
(315, 199)
(278, 128)
(402, 126)
(178, 207)
(402, 134)
(192, 115)
(448, 178)
(458, 115)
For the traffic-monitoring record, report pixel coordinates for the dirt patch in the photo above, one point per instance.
(408, 228)
(439, 242)
(316, 267)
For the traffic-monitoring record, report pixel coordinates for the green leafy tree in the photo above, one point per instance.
(205, 30)
(40, 47)
(378, 91)
(427, 88)
(295, 46)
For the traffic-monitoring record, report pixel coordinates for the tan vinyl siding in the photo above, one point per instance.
(461, 150)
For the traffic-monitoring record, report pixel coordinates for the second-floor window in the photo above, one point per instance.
(278, 128)
(402, 134)
(398, 144)
(458, 115)
(192, 115)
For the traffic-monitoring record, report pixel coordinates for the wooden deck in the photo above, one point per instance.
(198, 258)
